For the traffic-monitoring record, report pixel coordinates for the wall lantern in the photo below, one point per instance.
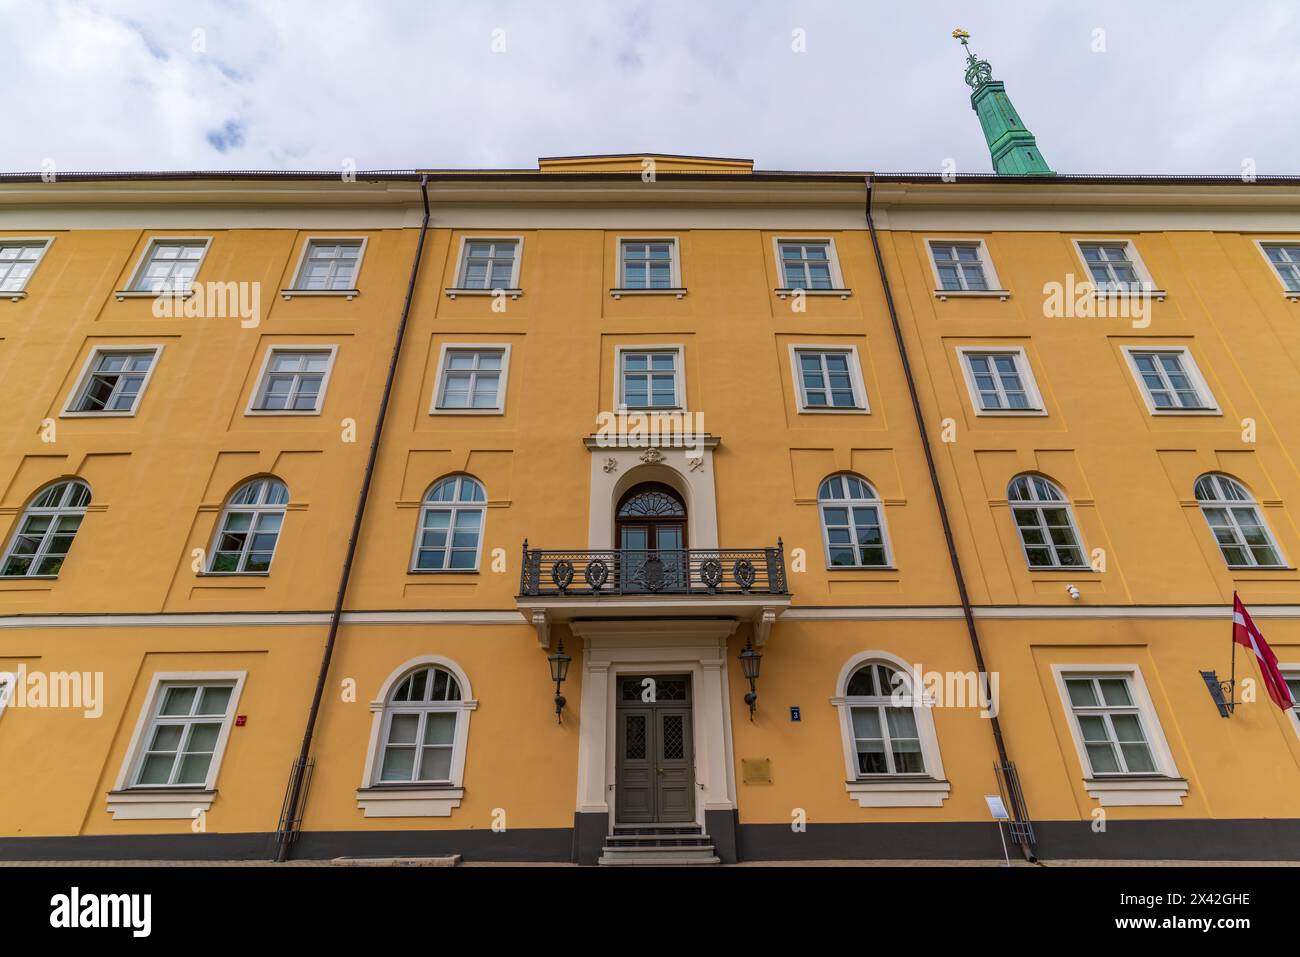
(749, 661)
(559, 663)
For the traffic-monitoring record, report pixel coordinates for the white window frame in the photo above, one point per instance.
(56, 512)
(454, 507)
(995, 290)
(679, 386)
(1229, 504)
(676, 289)
(296, 290)
(1166, 786)
(1023, 368)
(1146, 283)
(128, 801)
(131, 292)
(513, 290)
(838, 287)
(1262, 245)
(332, 350)
(1192, 370)
(258, 510)
(860, 404)
(878, 502)
(14, 295)
(392, 799)
(930, 789)
(1290, 672)
(83, 381)
(449, 347)
(1038, 505)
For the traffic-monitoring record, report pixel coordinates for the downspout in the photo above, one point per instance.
(291, 815)
(1017, 811)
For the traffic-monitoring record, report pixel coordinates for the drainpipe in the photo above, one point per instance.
(1015, 799)
(291, 816)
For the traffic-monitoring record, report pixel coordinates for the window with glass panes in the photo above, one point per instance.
(999, 381)
(45, 533)
(451, 525)
(488, 264)
(960, 266)
(885, 735)
(1166, 380)
(853, 523)
(1236, 523)
(1045, 522)
(1110, 265)
(1110, 724)
(182, 735)
(250, 528)
(648, 380)
(114, 381)
(17, 262)
(826, 380)
(292, 381)
(647, 265)
(420, 729)
(329, 264)
(170, 266)
(471, 379)
(806, 265)
(1285, 258)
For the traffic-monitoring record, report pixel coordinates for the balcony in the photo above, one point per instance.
(741, 583)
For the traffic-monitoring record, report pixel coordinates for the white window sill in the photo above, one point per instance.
(348, 294)
(1151, 293)
(294, 413)
(1166, 413)
(1137, 791)
(117, 414)
(457, 411)
(943, 295)
(905, 792)
(159, 804)
(620, 292)
(455, 291)
(1292, 294)
(150, 294)
(831, 410)
(1009, 413)
(13, 295)
(785, 293)
(406, 801)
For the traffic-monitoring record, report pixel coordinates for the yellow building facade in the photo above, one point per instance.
(655, 422)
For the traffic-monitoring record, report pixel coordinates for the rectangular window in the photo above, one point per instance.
(293, 380)
(183, 734)
(18, 260)
(1170, 380)
(1285, 258)
(647, 264)
(887, 741)
(1111, 267)
(1001, 381)
(960, 266)
(1110, 724)
(113, 382)
(329, 264)
(648, 379)
(489, 264)
(170, 265)
(806, 264)
(472, 380)
(828, 379)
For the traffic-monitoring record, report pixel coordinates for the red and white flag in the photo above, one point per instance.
(1245, 633)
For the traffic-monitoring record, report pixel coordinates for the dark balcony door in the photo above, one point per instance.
(655, 768)
(651, 528)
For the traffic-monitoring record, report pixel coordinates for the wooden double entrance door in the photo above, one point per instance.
(655, 767)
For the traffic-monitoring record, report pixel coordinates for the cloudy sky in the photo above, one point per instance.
(1135, 86)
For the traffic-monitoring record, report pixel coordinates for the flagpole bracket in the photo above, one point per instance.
(1222, 693)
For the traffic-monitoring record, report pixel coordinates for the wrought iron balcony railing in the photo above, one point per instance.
(624, 571)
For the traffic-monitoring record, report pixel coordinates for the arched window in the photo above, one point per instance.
(853, 523)
(1045, 523)
(1235, 520)
(420, 728)
(40, 545)
(249, 528)
(450, 536)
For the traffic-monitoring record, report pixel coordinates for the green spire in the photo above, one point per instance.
(1012, 146)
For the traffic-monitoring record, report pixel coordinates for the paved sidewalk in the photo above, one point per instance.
(400, 862)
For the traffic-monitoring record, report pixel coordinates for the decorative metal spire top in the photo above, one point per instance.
(978, 72)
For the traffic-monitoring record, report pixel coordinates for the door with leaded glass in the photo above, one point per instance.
(655, 768)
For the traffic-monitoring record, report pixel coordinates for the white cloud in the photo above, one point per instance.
(308, 85)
